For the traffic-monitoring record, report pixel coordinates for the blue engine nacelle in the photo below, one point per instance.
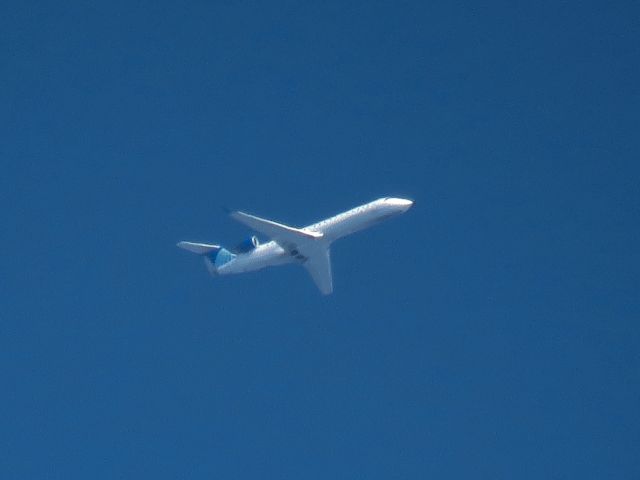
(247, 245)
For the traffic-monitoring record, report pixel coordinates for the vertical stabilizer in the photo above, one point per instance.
(214, 255)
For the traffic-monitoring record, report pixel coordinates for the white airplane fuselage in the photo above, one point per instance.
(307, 246)
(346, 223)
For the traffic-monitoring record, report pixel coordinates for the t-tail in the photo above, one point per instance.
(214, 255)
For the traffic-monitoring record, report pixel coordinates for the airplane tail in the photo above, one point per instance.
(214, 255)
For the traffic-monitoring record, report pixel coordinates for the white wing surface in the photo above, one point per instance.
(287, 237)
(319, 267)
(301, 244)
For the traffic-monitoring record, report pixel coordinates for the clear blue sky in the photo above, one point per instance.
(491, 332)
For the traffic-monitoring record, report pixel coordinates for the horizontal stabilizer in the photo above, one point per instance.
(198, 248)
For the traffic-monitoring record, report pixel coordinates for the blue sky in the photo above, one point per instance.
(490, 332)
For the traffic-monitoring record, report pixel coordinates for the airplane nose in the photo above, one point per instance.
(402, 203)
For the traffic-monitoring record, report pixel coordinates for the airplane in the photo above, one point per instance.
(308, 246)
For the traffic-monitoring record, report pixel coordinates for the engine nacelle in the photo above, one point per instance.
(247, 245)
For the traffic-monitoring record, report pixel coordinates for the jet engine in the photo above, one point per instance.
(247, 245)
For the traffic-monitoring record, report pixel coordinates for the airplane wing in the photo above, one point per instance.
(287, 237)
(299, 243)
(319, 267)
